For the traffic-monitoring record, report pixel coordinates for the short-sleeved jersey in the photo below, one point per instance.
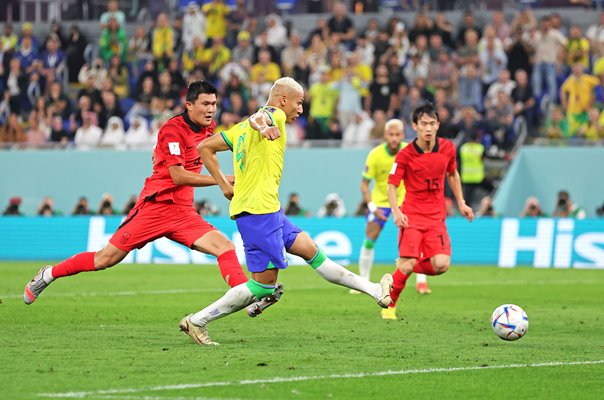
(377, 168)
(424, 177)
(177, 142)
(258, 164)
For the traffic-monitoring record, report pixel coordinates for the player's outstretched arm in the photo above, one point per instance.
(180, 176)
(455, 184)
(207, 151)
(400, 219)
(261, 122)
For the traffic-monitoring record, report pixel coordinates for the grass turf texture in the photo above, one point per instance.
(96, 334)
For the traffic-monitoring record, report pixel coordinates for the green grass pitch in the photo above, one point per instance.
(114, 335)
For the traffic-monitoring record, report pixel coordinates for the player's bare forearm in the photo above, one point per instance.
(207, 151)
(263, 124)
(180, 176)
(365, 191)
(400, 219)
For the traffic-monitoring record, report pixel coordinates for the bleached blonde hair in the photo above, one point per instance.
(396, 123)
(285, 85)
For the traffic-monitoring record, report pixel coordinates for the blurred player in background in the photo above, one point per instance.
(424, 245)
(165, 205)
(267, 233)
(377, 168)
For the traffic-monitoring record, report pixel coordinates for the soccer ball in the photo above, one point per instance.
(509, 322)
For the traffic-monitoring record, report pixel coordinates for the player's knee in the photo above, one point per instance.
(441, 266)
(406, 266)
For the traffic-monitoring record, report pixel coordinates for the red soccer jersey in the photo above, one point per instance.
(424, 177)
(176, 145)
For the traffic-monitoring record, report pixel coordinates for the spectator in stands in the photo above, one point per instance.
(468, 53)
(276, 32)
(81, 207)
(340, 23)
(8, 40)
(323, 98)
(193, 57)
(600, 211)
(577, 96)
(58, 100)
(162, 41)
(214, 58)
(111, 108)
(53, 61)
(501, 27)
(118, 72)
(36, 135)
(443, 74)
(416, 68)
(595, 35)
(265, 66)
(113, 12)
(524, 21)
(12, 209)
(333, 207)
(89, 134)
(379, 125)
(142, 106)
(259, 90)
(382, 93)
(556, 125)
(59, 136)
(357, 133)
(293, 207)
(216, 13)
(113, 42)
(95, 71)
(74, 53)
(500, 118)
(178, 32)
(470, 89)
(523, 100)
(593, 129)
(138, 134)
(486, 208)
(114, 134)
(46, 208)
(205, 208)
(316, 53)
(194, 25)
(470, 124)
(444, 29)
(577, 48)
(467, 25)
(15, 81)
(493, 62)
(565, 208)
(165, 92)
(291, 54)
(519, 53)
(27, 55)
(349, 94)
(239, 19)
(366, 50)
(547, 44)
(138, 47)
(244, 52)
(11, 132)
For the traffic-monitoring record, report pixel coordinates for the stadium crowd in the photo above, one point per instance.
(496, 83)
(63, 89)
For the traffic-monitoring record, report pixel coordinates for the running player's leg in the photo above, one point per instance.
(264, 251)
(304, 247)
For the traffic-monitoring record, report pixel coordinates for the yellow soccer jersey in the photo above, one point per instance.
(258, 164)
(377, 168)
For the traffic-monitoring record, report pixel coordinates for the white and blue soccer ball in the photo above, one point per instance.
(509, 322)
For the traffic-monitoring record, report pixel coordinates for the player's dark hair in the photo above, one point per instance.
(199, 87)
(426, 109)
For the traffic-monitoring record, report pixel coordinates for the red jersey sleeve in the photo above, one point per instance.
(397, 173)
(171, 146)
(452, 165)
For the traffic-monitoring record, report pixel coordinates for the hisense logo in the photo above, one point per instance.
(554, 243)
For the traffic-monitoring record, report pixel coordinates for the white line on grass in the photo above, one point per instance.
(99, 393)
(323, 287)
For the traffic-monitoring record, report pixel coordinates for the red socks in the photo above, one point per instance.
(230, 269)
(74, 265)
(424, 267)
(398, 285)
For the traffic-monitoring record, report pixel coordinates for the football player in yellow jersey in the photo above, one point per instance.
(377, 168)
(258, 146)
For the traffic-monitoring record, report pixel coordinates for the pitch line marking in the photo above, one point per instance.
(323, 287)
(99, 393)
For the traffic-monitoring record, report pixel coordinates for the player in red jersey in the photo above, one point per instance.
(165, 205)
(424, 245)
